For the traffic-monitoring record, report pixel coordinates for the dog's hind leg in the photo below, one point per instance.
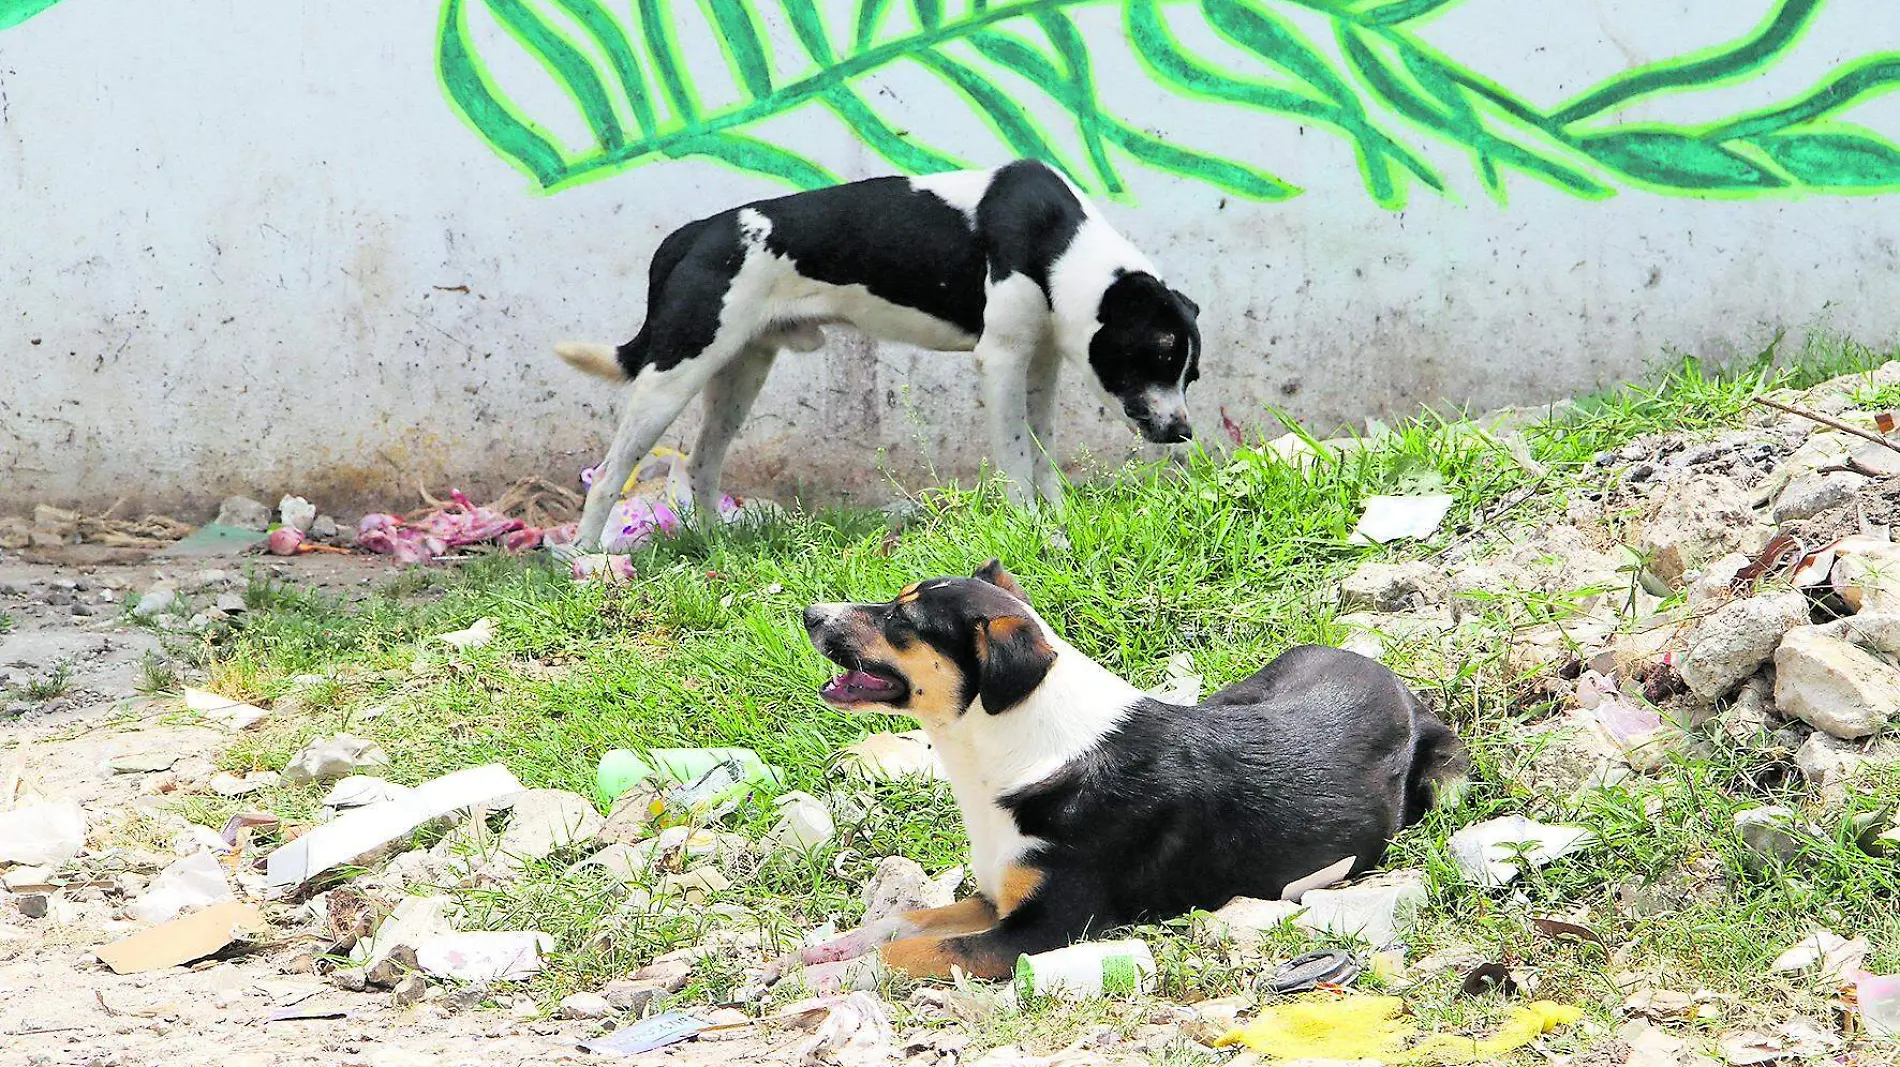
(1045, 371)
(728, 396)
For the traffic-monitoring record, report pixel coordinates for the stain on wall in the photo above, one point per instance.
(1377, 83)
(13, 12)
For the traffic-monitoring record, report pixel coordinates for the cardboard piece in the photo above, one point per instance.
(362, 835)
(182, 940)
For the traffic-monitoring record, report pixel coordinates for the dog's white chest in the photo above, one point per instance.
(996, 844)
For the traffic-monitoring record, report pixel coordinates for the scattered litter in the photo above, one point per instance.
(1794, 1041)
(1489, 977)
(856, 1033)
(884, 757)
(432, 532)
(1878, 996)
(228, 713)
(1559, 930)
(238, 825)
(647, 1035)
(694, 885)
(142, 762)
(899, 884)
(301, 1013)
(1488, 853)
(804, 823)
(1085, 971)
(284, 541)
(1182, 686)
(182, 940)
(358, 790)
(476, 636)
(1389, 518)
(1331, 967)
(392, 950)
(42, 834)
(1838, 958)
(297, 513)
(600, 566)
(485, 955)
(620, 770)
(358, 836)
(197, 881)
(1370, 1028)
(326, 759)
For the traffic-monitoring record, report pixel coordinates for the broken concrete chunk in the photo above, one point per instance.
(1391, 586)
(1694, 521)
(1837, 957)
(899, 885)
(296, 512)
(1867, 574)
(1488, 853)
(228, 713)
(1828, 763)
(226, 784)
(1374, 909)
(47, 833)
(1810, 494)
(361, 835)
(1833, 685)
(243, 513)
(485, 955)
(1732, 644)
(1248, 919)
(548, 819)
(155, 601)
(326, 759)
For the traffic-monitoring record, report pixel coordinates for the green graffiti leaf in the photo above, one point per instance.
(1836, 159)
(1385, 90)
(14, 12)
(1768, 40)
(480, 102)
(1668, 159)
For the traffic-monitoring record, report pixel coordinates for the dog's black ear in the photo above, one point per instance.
(993, 573)
(1193, 308)
(1012, 660)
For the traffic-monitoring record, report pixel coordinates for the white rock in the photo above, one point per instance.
(1834, 686)
(485, 955)
(1837, 957)
(1374, 909)
(1828, 763)
(226, 784)
(585, 1006)
(547, 819)
(899, 885)
(477, 635)
(1713, 582)
(243, 513)
(326, 759)
(1694, 521)
(46, 833)
(1734, 641)
(413, 922)
(626, 863)
(694, 885)
(1811, 494)
(197, 881)
(155, 601)
(358, 790)
(1867, 574)
(228, 713)
(1486, 852)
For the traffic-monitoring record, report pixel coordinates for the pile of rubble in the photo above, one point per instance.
(1742, 591)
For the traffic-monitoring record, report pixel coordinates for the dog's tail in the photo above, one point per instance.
(592, 357)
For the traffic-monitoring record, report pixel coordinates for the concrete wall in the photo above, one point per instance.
(324, 247)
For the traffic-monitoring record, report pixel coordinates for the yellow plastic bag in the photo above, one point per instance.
(1362, 1028)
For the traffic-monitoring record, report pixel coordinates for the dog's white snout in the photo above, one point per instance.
(818, 615)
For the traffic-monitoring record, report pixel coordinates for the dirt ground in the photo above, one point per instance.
(59, 1004)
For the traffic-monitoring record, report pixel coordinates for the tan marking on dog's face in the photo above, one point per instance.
(937, 686)
(1019, 884)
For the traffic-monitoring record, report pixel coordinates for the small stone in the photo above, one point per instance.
(634, 997)
(409, 991)
(1732, 643)
(585, 1006)
(28, 879)
(156, 601)
(85, 610)
(354, 979)
(17, 587)
(1811, 494)
(232, 603)
(33, 905)
(243, 513)
(1828, 763)
(1834, 686)
(1772, 833)
(142, 762)
(324, 529)
(670, 975)
(899, 885)
(1390, 587)
(326, 759)
(548, 819)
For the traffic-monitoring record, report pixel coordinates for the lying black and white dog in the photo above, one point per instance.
(1091, 805)
(1012, 264)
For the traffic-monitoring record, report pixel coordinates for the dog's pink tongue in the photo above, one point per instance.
(856, 687)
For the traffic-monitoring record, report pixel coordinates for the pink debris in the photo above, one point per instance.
(451, 526)
(284, 541)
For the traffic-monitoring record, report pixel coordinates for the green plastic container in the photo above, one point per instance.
(621, 769)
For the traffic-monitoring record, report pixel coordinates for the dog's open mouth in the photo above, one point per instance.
(866, 685)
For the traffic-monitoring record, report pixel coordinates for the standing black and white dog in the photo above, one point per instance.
(1012, 264)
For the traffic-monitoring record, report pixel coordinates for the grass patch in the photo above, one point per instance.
(1230, 558)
